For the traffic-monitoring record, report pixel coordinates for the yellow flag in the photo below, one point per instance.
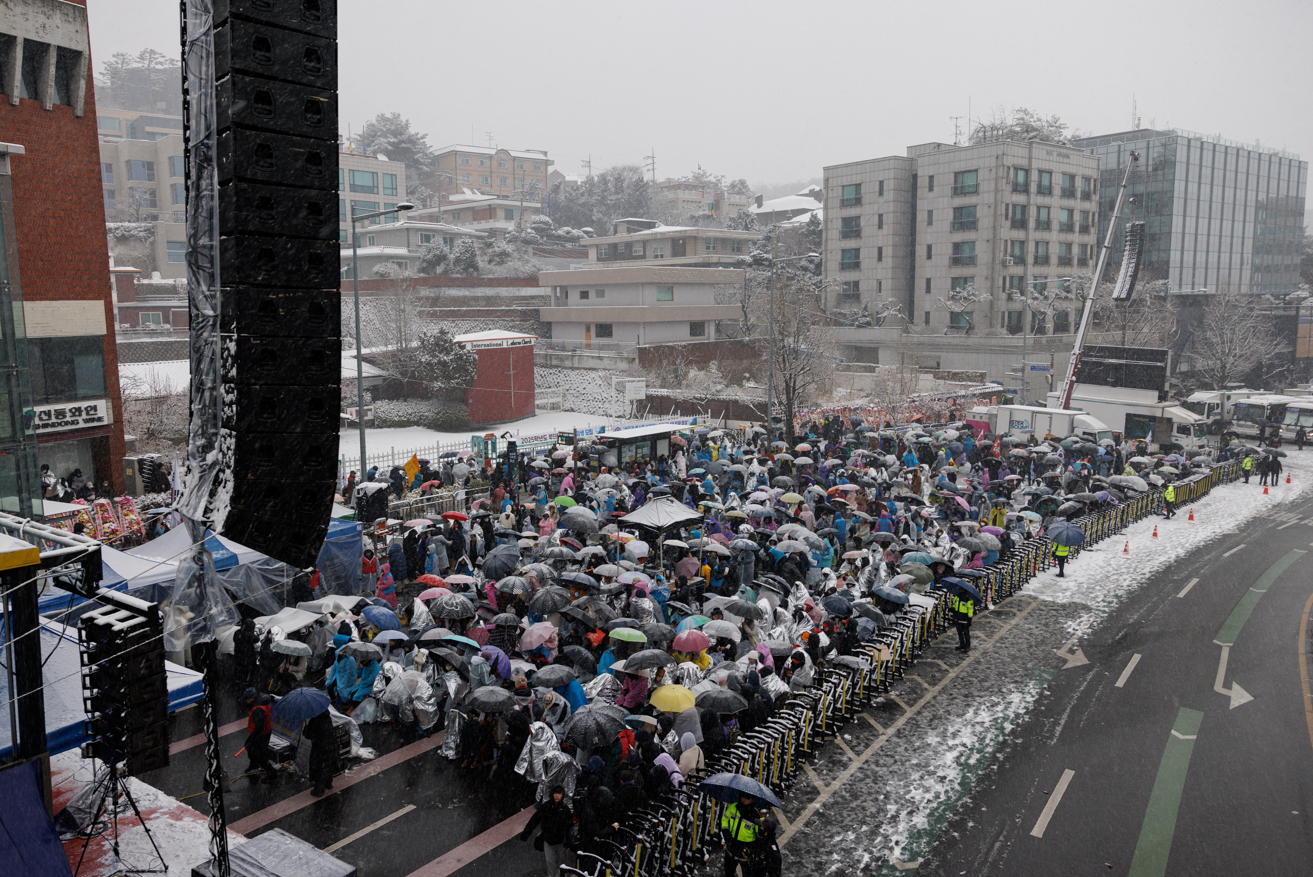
(412, 468)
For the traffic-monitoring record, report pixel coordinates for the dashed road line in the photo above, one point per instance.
(1234, 550)
(368, 828)
(1126, 674)
(1190, 584)
(1051, 807)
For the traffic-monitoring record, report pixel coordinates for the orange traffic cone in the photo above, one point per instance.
(1287, 477)
(1155, 531)
(1126, 549)
(1191, 518)
(1264, 490)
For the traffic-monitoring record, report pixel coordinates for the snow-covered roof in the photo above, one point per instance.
(492, 335)
(377, 251)
(788, 202)
(145, 380)
(535, 155)
(664, 230)
(804, 218)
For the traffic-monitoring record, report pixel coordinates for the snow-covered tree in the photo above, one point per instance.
(1023, 125)
(596, 202)
(391, 135)
(961, 300)
(433, 258)
(813, 234)
(739, 187)
(744, 220)
(805, 355)
(498, 253)
(1234, 341)
(447, 367)
(465, 258)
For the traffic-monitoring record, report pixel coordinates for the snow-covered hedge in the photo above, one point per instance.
(444, 416)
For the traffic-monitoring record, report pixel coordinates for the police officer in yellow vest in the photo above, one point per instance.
(1061, 553)
(964, 608)
(739, 833)
(1247, 467)
(1169, 501)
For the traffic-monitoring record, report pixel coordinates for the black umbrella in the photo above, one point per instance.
(452, 658)
(554, 676)
(549, 599)
(648, 659)
(624, 621)
(682, 608)
(515, 585)
(491, 699)
(501, 561)
(451, 606)
(657, 632)
(580, 615)
(722, 700)
(868, 611)
(971, 544)
(779, 648)
(964, 586)
(582, 579)
(506, 619)
(581, 658)
(837, 606)
(594, 725)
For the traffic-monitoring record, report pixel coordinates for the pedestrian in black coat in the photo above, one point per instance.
(555, 819)
(319, 732)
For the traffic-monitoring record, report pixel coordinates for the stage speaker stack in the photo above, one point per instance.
(124, 684)
(1131, 258)
(276, 85)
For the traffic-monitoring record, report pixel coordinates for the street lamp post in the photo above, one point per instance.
(403, 207)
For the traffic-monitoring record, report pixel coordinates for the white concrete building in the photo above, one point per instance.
(400, 243)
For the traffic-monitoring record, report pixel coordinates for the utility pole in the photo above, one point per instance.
(651, 164)
(588, 164)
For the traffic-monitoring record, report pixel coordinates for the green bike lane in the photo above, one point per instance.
(1160, 775)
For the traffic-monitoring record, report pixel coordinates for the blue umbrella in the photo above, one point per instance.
(970, 573)
(383, 619)
(301, 704)
(463, 640)
(728, 786)
(919, 557)
(893, 595)
(961, 585)
(693, 622)
(1066, 533)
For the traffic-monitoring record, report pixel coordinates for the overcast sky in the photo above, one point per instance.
(774, 91)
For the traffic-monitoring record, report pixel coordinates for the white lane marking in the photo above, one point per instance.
(1234, 550)
(1291, 524)
(1188, 586)
(1052, 805)
(1178, 735)
(368, 828)
(1126, 674)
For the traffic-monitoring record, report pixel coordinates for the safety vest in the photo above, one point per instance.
(1170, 494)
(963, 606)
(739, 829)
(1061, 550)
(1247, 464)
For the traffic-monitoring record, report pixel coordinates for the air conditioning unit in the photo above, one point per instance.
(1007, 261)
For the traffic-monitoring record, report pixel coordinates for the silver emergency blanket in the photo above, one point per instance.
(687, 674)
(411, 697)
(391, 670)
(542, 762)
(420, 617)
(774, 686)
(452, 730)
(605, 687)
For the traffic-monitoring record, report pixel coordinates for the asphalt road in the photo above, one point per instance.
(1153, 758)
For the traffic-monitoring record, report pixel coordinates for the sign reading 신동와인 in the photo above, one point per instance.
(71, 415)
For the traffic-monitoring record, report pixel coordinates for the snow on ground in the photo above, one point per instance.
(416, 438)
(181, 833)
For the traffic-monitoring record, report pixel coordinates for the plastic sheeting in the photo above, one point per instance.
(197, 607)
(29, 844)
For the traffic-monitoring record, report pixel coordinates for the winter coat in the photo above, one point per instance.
(397, 562)
(555, 819)
(368, 674)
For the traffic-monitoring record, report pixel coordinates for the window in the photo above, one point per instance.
(879, 221)
(1064, 253)
(1041, 252)
(960, 283)
(658, 250)
(341, 210)
(1042, 219)
(141, 171)
(851, 289)
(150, 318)
(1066, 219)
(697, 329)
(403, 264)
(930, 183)
(850, 260)
(966, 182)
(508, 213)
(927, 289)
(537, 165)
(709, 245)
(879, 287)
(177, 251)
(501, 164)
(1020, 179)
(341, 237)
(1069, 185)
(142, 197)
(849, 226)
(964, 253)
(929, 252)
(1017, 252)
(109, 124)
(1018, 215)
(603, 251)
(604, 330)
(929, 217)
(364, 182)
(483, 162)
(1044, 183)
(927, 314)
(1085, 222)
(390, 184)
(583, 295)
(599, 293)
(881, 192)
(1061, 322)
(961, 320)
(464, 159)
(391, 217)
(1039, 284)
(64, 369)
(665, 293)
(1086, 188)
(109, 200)
(636, 248)
(36, 55)
(1014, 322)
(177, 166)
(852, 195)
(1016, 287)
(879, 254)
(464, 178)
(736, 246)
(964, 218)
(485, 180)
(426, 237)
(358, 207)
(1083, 256)
(501, 181)
(178, 193)
(371, 240)
(107, 174)
(341, 179)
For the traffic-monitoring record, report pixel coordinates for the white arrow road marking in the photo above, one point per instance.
(1237, 694)
(1073, 658)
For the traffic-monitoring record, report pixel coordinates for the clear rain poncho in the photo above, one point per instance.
(411, 697)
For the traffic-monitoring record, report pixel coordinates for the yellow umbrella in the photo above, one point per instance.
(791, 498)
(672, 698)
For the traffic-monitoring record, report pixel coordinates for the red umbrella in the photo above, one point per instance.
(455, 516)
(690, 642)
(431, 579)
(478, 634)
(430, 485)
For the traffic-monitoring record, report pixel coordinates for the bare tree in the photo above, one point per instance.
(805, 355)
(1234, 341)
(1149, 319)
(156, 412)
(962, 300)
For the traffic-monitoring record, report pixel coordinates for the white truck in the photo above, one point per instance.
(1040, 421)
(1137, 414)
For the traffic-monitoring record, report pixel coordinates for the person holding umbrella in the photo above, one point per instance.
(259, 726)
(964, 609)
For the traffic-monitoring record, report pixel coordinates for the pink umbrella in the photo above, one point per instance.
(993, 531)
(632, 576)
(962, 502)
(432, 593)
(690, 642)
(418, 522)
(542, 633)
(689, 566)
(460, 580)
(719, 537)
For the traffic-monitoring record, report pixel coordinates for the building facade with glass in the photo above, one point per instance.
(1217, 213)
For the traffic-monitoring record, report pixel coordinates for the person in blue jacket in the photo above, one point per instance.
(345, 675)
(368, 673)
(573, 694)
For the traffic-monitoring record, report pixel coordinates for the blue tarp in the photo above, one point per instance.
(29, 844)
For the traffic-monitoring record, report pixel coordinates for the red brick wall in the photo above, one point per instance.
(491, 399)
(60, 216)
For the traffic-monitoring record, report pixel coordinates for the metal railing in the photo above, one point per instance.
(1086, 195)
(1043, 224)
(1068, 191)
(969, 189)
(964, 225)
(1064, 260)
(1041, 260)
(1084, 228)
(848, 234)
(1082, 262)
(851, 202)
(962, 260)
(1041, 189)
(1067, 226)
(1021, 188)
(853, 265)
(1019, 222)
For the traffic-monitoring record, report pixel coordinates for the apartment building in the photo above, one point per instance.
(955, 235)
(1217, 213)
(488, 213)
(670, 245)
(143, 183)
(488, 170)
(368, 183)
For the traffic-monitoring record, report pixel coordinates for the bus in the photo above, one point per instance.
(1298, 414)
(1250, 415)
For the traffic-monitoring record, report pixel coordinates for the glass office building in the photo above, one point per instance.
(1217, 213)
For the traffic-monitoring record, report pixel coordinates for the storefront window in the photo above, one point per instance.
(67, 369)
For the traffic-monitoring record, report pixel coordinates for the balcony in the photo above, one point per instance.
(1019, 222)
(1082, 262)
(854, 295)
(967, 189)
(1041, 260)
(1064, 260)
(1042, 224)
(855, 201)
(1041, 189)
(1085, 195)
(854, 265)
(1067, 226)
(1023, 188)
(963, 260)
(964, 225)
(848, 234)
(1069, 191)
(1084, 228)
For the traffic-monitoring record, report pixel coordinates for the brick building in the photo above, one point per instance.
(504, 387)
(52, 208)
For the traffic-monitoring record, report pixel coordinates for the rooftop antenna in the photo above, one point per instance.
(488, 134)
(1135, 115)
(957, 130)
(651, 163)
(588, 164)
